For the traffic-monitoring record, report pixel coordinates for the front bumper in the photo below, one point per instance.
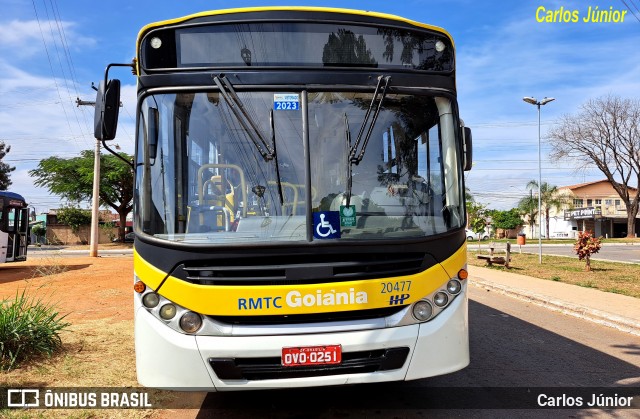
(171, 360)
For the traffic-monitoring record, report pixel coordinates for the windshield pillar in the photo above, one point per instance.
(307, 160)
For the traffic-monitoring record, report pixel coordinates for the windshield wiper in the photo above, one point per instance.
(347, 136)
(275, 158)
(268, 152)
(354, 156)
(229, 95)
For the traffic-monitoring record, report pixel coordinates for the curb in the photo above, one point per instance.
(624, 324)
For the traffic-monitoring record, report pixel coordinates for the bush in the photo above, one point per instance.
(585, 246)
(74, 217)
(28, 328)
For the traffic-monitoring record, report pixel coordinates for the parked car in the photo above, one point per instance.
(477, 236)
(128, 238)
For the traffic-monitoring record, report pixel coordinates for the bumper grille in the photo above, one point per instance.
(337, 316)
(271, 367)
(302, 269)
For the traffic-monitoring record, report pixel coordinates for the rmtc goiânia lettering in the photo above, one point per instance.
(297, 299)
(299, 199)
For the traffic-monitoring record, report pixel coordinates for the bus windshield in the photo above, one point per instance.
(202, 176)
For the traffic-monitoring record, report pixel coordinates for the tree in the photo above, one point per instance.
(5, 169)
(72, 179)
(605, 132)
(528, 206)
(506, 220)
(468, 197)
(477, 217)
(549, 199)
(39, 231)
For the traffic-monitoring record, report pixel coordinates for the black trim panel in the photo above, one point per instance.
(271, 368)
(169, 256)
(295, 77)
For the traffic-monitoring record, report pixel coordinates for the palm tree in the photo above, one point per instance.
(549, 199)
(528, 207)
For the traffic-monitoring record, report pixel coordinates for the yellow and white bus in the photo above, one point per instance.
(299, 200)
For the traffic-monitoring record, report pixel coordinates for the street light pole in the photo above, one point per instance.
(537, 103)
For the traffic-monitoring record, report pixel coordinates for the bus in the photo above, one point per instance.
(299, 208)
(14, 227)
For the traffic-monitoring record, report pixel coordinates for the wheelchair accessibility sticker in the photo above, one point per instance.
(326, 225)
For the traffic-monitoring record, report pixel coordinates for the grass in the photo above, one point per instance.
(49, 265)
(95, 354)
(619, 278)
(97, 349)
(29, 328)
(562, 241)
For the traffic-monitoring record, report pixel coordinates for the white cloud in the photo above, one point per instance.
(24, 38)
(39, 118)
(500, 64)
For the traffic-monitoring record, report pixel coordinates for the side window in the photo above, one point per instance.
(11, 220)
(436, 180)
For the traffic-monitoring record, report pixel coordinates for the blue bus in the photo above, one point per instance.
(14, 227)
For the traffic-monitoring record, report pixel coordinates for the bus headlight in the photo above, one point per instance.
(150, 300)
(168, 311)
(454, 286)
(190, 322)
(422, 310)
(441, 299)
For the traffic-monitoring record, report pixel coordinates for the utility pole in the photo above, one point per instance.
(95, 205)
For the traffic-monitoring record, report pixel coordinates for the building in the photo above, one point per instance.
(593, 206)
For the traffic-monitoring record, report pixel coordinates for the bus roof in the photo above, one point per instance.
(11, 195)
(291, 8)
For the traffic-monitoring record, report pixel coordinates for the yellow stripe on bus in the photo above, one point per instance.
(229, 300)
(149, 274)
(456, 261)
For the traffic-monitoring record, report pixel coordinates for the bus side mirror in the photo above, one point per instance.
(468, 149)
(105, 120)
(152, 132)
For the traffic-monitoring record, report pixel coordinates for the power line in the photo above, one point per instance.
(44, 43)
(69, 59)
(628, 8)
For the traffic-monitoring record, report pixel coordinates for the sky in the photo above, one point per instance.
(51, 51)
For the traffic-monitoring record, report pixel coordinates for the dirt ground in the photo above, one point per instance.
(86, 288)
(95, 294)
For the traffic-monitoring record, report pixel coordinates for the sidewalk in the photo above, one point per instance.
(605, 308)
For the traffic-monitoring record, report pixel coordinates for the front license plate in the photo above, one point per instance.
(311, 355)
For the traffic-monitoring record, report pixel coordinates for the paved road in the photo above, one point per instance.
(49, 251)
(616, 252)
(514, 345)
(611, 252)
